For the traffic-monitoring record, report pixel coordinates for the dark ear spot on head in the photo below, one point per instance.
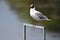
(32, 7)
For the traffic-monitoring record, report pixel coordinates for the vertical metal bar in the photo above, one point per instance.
(44, 33)
(24, 32)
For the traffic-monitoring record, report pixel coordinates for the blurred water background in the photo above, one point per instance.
(50, 8)
(11, 25)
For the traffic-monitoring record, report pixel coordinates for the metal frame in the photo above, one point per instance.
(41, 27)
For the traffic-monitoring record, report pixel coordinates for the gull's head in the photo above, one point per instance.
(32, 6)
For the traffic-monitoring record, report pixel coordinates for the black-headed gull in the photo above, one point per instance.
(36, 15)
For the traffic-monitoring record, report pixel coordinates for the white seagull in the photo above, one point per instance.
(36, 15)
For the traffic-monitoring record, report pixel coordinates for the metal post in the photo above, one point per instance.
(24, 32)
(44, 33)
(44, 30)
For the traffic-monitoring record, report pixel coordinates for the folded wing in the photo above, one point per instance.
(41, 16)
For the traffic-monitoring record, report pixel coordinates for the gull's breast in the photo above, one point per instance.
(35, 17)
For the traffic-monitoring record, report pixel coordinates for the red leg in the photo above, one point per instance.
(36, 23)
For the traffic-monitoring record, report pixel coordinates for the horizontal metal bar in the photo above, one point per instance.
(31, 25)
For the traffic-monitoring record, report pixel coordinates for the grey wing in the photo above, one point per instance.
(41, 16)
